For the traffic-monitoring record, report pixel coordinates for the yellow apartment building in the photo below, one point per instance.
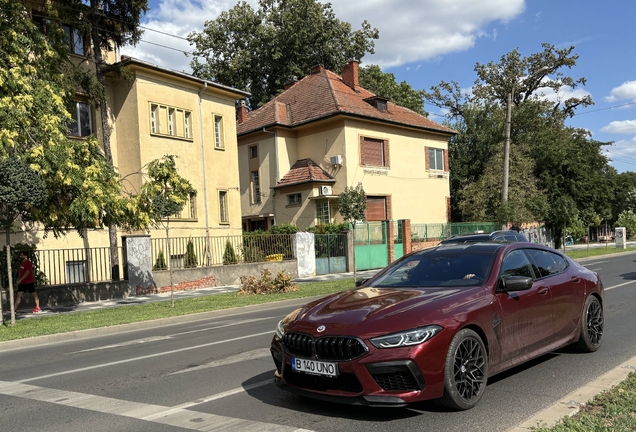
(299, 151)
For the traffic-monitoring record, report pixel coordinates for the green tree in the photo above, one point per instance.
(352, 204)
(21, 189)
(162, 197)
(190, 257)
(262, 50)
(627, 219)
(229, 256)
(384, 84)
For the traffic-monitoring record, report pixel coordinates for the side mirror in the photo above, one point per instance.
(516, 283)
(361, 282)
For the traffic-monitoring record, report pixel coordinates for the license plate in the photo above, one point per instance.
(315, 367)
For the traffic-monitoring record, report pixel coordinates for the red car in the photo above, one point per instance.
(437, 323)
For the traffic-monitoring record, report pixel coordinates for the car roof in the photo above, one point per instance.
(475, 237)
(486, 247)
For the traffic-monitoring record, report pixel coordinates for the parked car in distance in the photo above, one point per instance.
(509, 236)
(437, 323)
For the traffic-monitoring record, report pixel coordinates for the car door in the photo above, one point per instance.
(568, 290)
(526, 322)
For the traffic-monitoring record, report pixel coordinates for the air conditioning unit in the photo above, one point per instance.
(325, 190)
(336, 160)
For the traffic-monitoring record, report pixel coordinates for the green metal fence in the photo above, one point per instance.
(426, 232)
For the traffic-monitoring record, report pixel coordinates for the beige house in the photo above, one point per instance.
(160, 112)
(299, 151)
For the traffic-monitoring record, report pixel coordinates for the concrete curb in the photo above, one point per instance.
(115, 329)
(573, 402)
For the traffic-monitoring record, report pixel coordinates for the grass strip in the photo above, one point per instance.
(597, 251)
(612, 410)
(68, 322)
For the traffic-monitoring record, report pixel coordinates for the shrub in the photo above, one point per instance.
(627, 219)
(160, 262)
(283, 229)
(331, 228)
(190, 258)
(266, 284)
(229, 256)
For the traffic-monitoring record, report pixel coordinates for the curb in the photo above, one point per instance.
(123, 328)
(573, 402)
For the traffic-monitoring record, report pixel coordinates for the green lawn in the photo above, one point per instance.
(597, 251)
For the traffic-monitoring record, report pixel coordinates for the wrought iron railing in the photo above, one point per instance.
(75, 266)
(427, 232)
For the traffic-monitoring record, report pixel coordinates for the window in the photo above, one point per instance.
(374, 152)
(75, 271)
(516, 264)
(294, 199)
(223, 216)
(322, 212)
(192, 206)
(253, 150)
(256, 188)
(74, 40)
(82, 123)
(170, 121)
(546, 263)
(436, 159)
(218, 131)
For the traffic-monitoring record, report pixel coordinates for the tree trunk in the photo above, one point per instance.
(10, 278)
(103, 113)
(354, 253)
(170, 265)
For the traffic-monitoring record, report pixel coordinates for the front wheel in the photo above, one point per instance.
(466, 371)
(591, 325)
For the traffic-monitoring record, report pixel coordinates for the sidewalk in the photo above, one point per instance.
(152, 298)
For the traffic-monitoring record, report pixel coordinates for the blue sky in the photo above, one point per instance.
(426, 41)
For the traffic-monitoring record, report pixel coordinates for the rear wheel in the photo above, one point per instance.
(466, 371)
(592, 323)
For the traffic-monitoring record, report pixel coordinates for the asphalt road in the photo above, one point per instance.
(216, 374)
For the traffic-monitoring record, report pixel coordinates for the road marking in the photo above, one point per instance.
(620, 285)
(224, 394)
(246, 356)
(178, 417)
(167, 337)
(142, 357)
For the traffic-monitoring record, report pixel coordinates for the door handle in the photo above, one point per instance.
(543, 290)
(575, 279)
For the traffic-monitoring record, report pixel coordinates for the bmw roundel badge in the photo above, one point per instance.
(321, 329)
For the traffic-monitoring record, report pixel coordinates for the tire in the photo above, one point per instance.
(592, 323)
(465, 372)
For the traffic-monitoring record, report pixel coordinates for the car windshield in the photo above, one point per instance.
(438, 270)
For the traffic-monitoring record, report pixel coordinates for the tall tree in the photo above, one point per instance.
(108, 25)
(384, 84)
(352, 203)
(262, 50)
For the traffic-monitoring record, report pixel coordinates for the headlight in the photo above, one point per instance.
(406, 338)
(280, 329)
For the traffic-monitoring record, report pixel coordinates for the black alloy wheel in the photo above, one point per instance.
(591, 325)
(466, 371)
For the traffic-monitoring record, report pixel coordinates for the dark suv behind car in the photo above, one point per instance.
(507, 236)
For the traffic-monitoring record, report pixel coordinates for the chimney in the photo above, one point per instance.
(350, 74)
(241, 112)
(291, 83)
(317, 69)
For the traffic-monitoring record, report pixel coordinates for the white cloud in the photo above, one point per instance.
(622, 151)
(627, 90)
(409, 31)
(620, 127)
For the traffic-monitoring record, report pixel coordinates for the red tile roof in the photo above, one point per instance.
(304, 171)
(324, 94)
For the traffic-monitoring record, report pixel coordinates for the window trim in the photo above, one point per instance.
(385, 152)
(443, 161)
(219, 132)
(76, 117)
(223, 201)
(171, 118)
(250, 151)
(73, 33)
(319, 204)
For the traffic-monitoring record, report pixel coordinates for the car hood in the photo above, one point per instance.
(368, 312)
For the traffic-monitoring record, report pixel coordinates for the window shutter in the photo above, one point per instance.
(376, 209)
(385, 147)
(371, 151)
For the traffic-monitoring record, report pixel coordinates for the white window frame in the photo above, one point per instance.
(218, 132)
(435, 159)
(323, 206)
(177, 126)
(171, 121)
(186, 120)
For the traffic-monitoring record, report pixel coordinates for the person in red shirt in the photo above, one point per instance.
(26, 282)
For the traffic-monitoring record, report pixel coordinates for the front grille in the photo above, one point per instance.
(344, 382)
(340, 348)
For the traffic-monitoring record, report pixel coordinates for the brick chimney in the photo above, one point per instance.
(317, 69)
(241, 112)
(291, 83)
(350, 74)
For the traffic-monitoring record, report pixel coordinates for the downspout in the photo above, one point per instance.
(205, 183)
(276, 168)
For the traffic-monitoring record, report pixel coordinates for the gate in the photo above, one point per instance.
(371, 245)
(398, 242)
(331, 253)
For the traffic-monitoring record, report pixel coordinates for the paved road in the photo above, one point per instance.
(216, 373)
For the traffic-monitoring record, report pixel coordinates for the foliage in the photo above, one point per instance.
(21, 190)
(384, 84)
(352, 204)
(160, 262)
(283, 229)
(229, 256)
(30, 250)
(262, 50)
(190, 258)
(577, 228)
(330, 228)
(627, 219)
(266, 284)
